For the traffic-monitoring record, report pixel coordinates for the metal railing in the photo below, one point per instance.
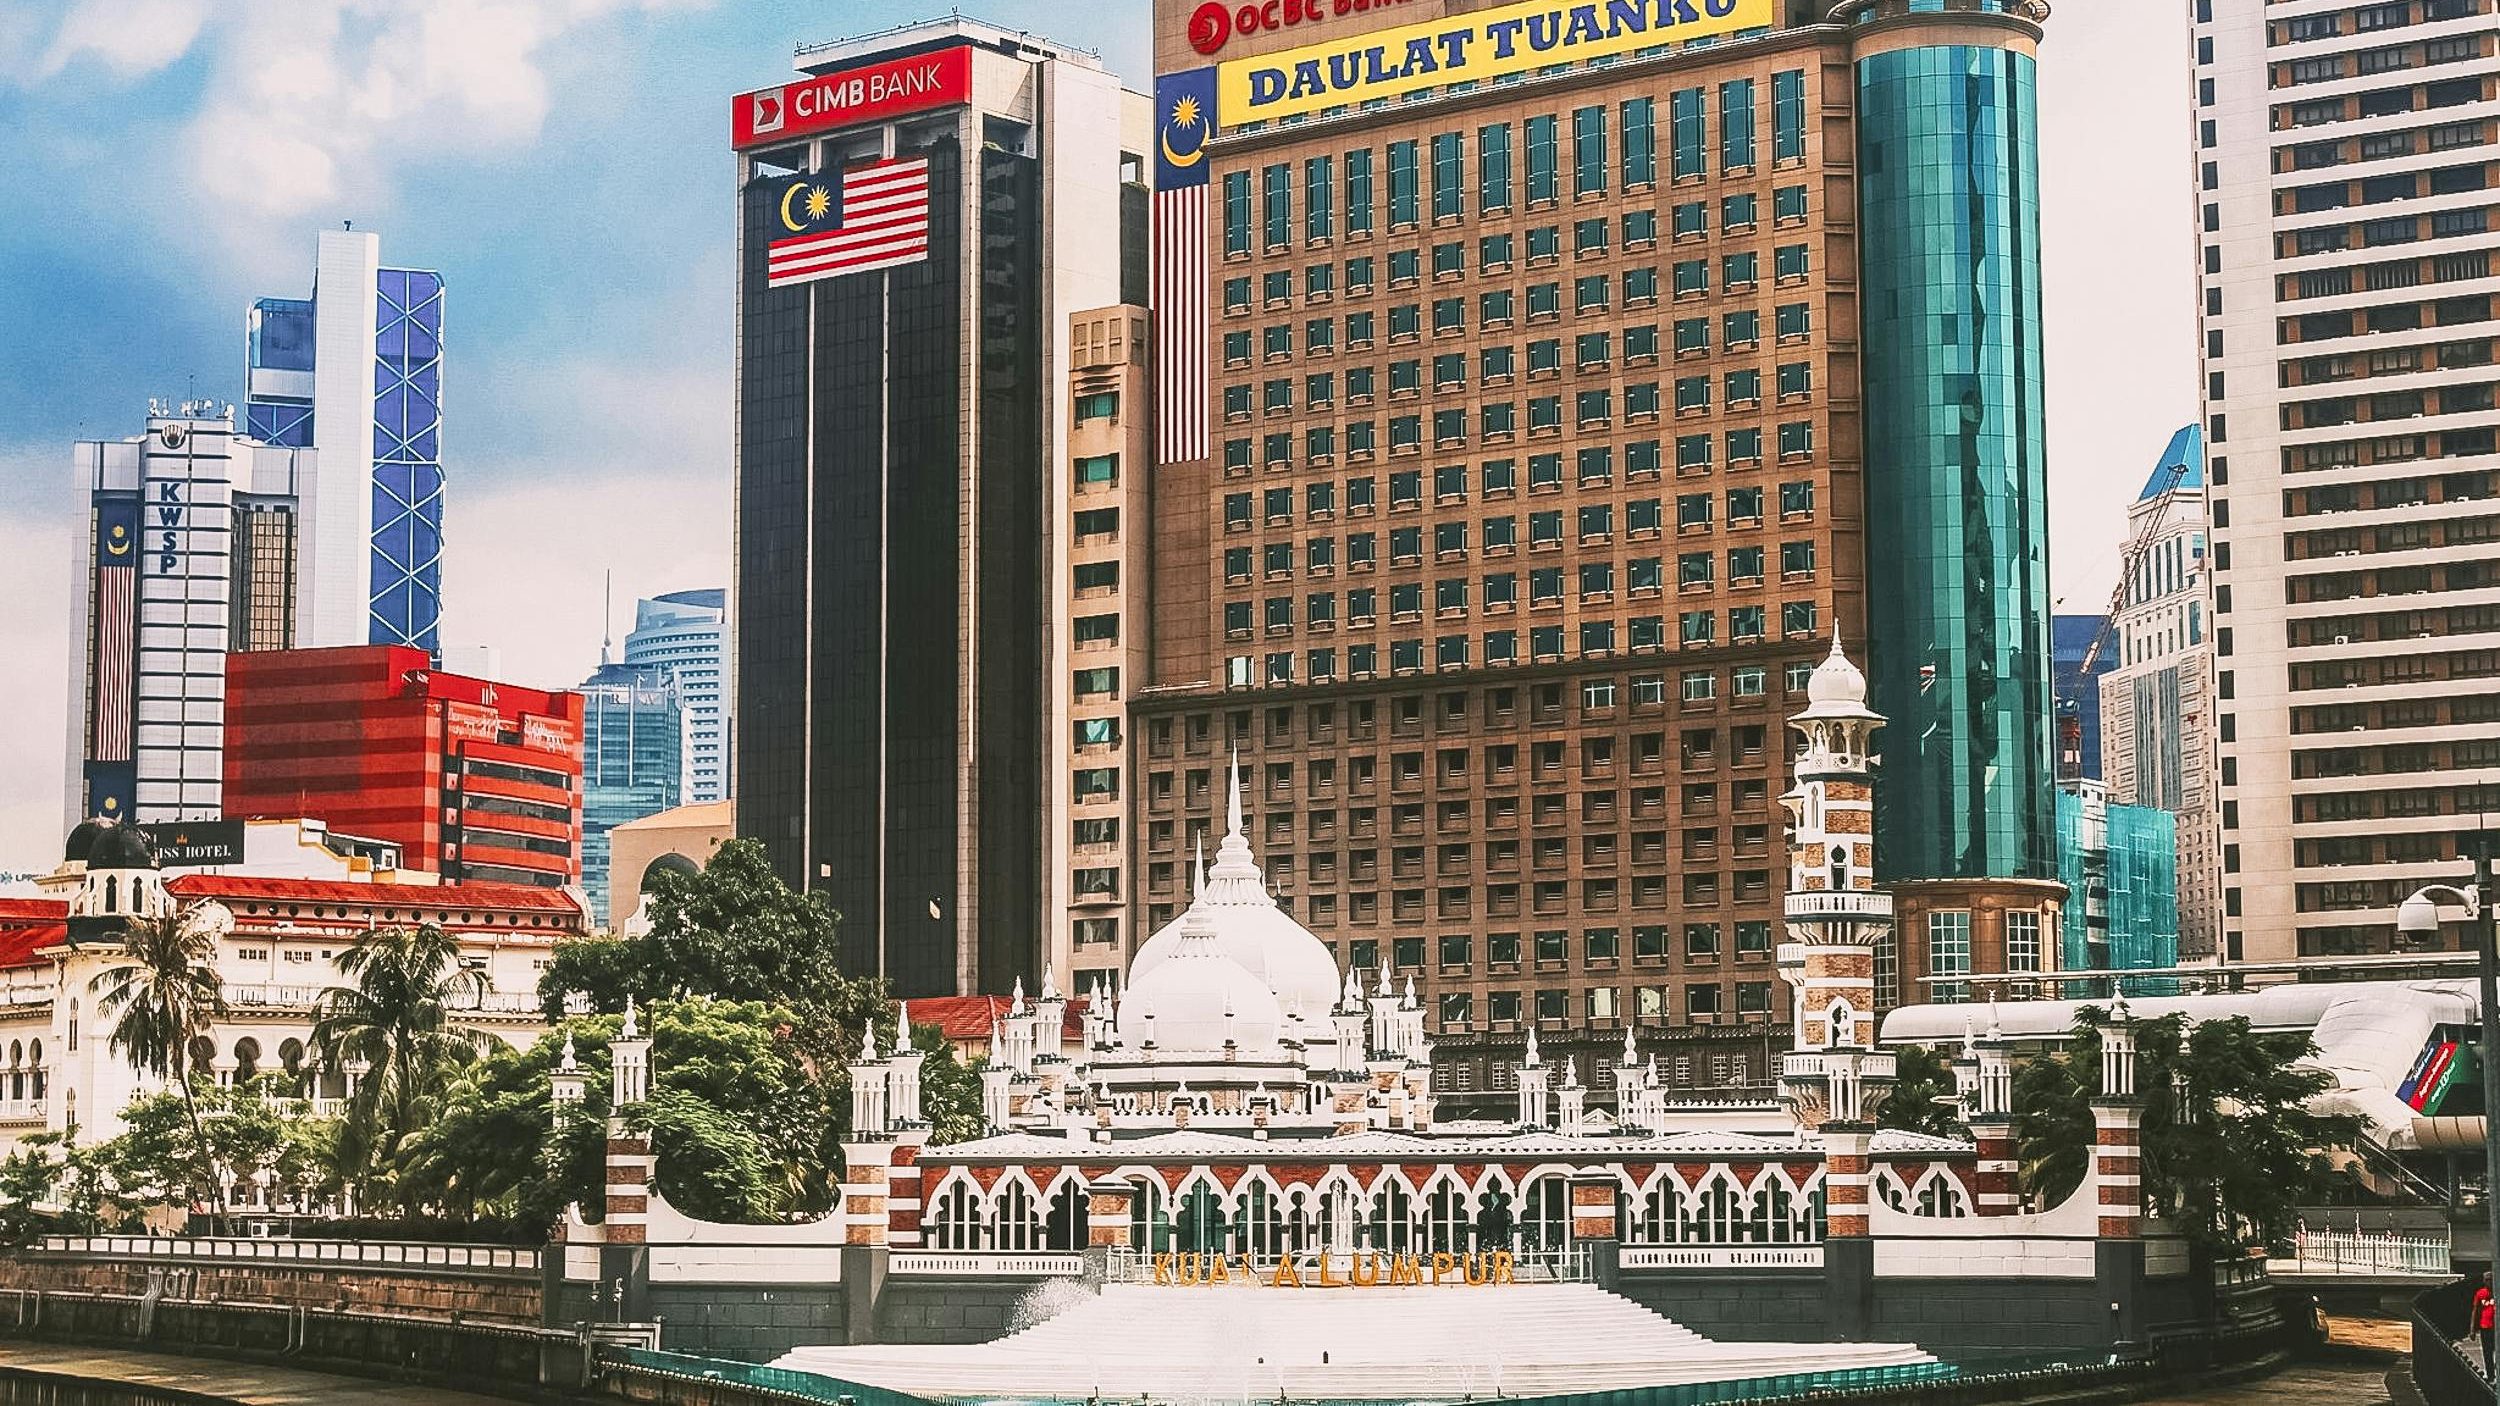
(1568, 1264)
(1720, 1257)
(2362, 1252)
(2442, 1371)
(390, 1254)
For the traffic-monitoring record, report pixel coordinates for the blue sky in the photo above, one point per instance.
(564, 164)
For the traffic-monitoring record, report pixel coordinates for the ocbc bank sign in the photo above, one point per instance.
(1216, 22)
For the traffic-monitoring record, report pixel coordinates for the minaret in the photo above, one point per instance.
(1836, 919)
(2117, 1177)
(629, 1151)
(1532, 1077)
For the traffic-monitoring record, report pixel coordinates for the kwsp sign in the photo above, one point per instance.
(1319, 1271)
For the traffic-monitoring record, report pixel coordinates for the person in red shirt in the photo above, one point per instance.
(2483, 1316)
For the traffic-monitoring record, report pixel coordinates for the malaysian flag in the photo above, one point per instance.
(1184, 120)
(113, 710)
(875, 217)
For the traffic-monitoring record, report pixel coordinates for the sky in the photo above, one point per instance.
(564, 164)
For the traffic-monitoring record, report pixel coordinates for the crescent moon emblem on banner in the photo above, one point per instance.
(1177, 161)
(786, 222)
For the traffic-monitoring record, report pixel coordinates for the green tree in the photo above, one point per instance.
(243, 1133)
(950, 1089)
(162, 995)
(52, 1185)
(742, 1126)
(396, 1018)
(2230, 1147)
(1923, 1096)
(733, 931)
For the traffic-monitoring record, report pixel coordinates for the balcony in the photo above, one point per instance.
(1846, 903)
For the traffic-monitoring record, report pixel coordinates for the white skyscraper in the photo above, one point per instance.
(2157, 705)
(194, 547)
(2346, 192)
(686, 634)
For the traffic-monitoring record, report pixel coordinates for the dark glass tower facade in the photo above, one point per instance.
(1957, 599)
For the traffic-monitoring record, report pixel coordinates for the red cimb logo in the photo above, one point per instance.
(1210, 27)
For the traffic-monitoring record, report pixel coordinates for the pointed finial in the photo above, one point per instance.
(633, 1028)
(1631, 1055)
(902, 1025)
(1408, 1000)
(1232, 798)
(1016, 1006)
(1535, 1060)
(868, 1039)
(1050, 983)
(1382, 989)
(566, 1062)
(1198, 879)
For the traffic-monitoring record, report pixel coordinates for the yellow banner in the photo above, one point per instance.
(1465, 48)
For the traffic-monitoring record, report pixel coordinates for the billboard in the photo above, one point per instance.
(846, 98)
(185, 844)
(1388, 63)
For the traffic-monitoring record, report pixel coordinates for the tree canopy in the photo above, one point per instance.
(2230, 1147)
(1922, 1098)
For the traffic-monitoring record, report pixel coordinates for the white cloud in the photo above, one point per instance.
(310, 106)
(35, 637)
(131, 38)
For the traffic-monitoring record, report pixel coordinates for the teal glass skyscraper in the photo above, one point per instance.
(1955, 448)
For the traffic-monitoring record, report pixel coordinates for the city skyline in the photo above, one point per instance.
(596, 398)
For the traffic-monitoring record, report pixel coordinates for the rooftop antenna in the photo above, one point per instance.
(607, 612)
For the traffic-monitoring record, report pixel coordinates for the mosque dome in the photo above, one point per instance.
(81, 840)
(1291, 964)
(1196, 1000)
(1836, 682)
(120, 847)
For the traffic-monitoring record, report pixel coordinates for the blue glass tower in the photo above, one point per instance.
(1956, 462)
(408, 459)
(378, 436)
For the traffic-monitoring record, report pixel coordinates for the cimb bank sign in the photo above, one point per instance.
(847, 97)
(1490, 44)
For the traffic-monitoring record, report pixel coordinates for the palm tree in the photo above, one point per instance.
(161, 998)
(396, 1020)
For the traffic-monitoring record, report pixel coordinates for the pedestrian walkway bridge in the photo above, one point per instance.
(1250, 1341)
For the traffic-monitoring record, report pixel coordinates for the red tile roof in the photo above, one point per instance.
(972, 1017)
(28, 925)
(526, 897)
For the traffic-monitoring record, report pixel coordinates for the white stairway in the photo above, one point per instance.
(1373, 1344)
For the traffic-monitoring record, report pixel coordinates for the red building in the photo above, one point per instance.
(474, 780)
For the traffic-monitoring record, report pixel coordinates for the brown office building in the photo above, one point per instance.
(1530, 496)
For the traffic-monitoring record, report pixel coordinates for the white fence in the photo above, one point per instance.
(984, 1264)
(2363, 1252)
(393, 1254)
(1571, 1264)
(1721, 1257)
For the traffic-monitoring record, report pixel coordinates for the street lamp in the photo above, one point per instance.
(2418, 916)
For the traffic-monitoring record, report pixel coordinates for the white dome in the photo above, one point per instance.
(1248, 927)
(1836, 681)
(1197, 1000)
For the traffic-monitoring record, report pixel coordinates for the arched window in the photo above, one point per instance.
(1940, 1195)
(953, 1223)
(1774, 1218)
(1071, 1211)
(1392, 1222)
(1149, 1224)
(203, 1056)
(36, 1072)
(246, 1060)
(1016, 1225)
(291, 1059)
(1448, 1226)
(73, 1025)
(1198, 1222)
(1545, 1219)
(1888, 1187)
(1654, 1214)
(1839, 868)
(1260, 1229)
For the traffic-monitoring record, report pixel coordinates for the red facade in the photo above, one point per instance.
(472, 779)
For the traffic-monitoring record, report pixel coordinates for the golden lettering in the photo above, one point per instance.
(1326, 1280)
(1441, 1262)
(1406, 1269)
(1193, 1268)
(1501, 1266)
(1163, 1269)
(1364, 1270)
(1475, 1269)
(1216, 1273)
(1285, 1277)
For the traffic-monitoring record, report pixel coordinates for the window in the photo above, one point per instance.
(1788, 116)
(1543, 159)
(1493, 168)
(1640, 149)
(1686, 117)
(1319, 183)
(1095, 469)
(1788, 203)
(1689, 220)
(1101, 405)
(1792, 320)
(1790, 261)
(1588, 151)
(1276, 204)
(1948, 952)
(2022, 940)
(1358, 204)
(1448, 190)
(1236, 212)
(1094, 682)
(1736, 124)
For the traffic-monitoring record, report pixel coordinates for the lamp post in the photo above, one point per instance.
(2419, 915)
